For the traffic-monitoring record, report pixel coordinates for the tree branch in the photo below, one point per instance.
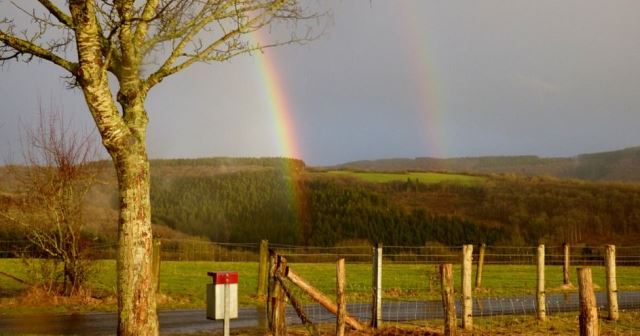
(147, 14)
(127, 48)
(59, 14)
(168, 69)
(93, 77)
(12, 277)
(25, 47)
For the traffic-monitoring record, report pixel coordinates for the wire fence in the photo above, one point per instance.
(411, 291)
(201, 250)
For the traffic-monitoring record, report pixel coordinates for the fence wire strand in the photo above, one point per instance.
(411, 289)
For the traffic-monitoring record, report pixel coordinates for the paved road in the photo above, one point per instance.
(190, 321)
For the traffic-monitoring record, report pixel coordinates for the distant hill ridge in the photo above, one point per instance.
(619, 165)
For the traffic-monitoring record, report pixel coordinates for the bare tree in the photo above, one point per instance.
(49, 193)
(120, 37)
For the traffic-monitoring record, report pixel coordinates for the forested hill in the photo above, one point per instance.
(245, 200)
(621, 165)
(324, 208)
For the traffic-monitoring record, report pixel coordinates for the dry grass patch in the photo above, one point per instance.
(38, 298)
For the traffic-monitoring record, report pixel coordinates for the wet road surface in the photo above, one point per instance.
(191, 321)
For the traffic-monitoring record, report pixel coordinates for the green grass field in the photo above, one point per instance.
(423, 177)
(182, 283)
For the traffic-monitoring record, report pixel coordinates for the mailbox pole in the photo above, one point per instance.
(222, 298)
(227, 305)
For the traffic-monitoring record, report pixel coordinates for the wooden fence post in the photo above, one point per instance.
(588, 307)
(376, 304)
(297, 306)
(483, 246)
(155, 266)
(340, 299)
(448, 301)
(263, 276)
(433, 278)
(541, 306)
(271, 290)
(612, 286)
(279, 316)
(566, 279)
(322, 299)
(467, 299)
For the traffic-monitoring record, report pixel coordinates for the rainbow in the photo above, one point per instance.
(276, 99)
(426, 90)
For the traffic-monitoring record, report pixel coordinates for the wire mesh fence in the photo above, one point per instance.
(411, 290)
(195, 250)
(508, 285)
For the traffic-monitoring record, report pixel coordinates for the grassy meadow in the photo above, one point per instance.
(182, 283)
(422, 177)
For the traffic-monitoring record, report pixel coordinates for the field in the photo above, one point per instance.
(422, 177)
(182, 283)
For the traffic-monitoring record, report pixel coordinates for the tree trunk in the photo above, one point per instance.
(136, 290)
(123, 135)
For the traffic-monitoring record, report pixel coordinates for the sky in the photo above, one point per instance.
(392, 78)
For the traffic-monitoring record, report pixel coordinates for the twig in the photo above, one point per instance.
(13, 278)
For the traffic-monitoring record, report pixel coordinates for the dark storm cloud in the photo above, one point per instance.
(510, 77)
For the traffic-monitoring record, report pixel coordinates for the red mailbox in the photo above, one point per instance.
(224, 277)
(222, 295)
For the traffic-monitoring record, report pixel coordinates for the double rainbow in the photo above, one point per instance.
(426, 91)
(278, 105)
